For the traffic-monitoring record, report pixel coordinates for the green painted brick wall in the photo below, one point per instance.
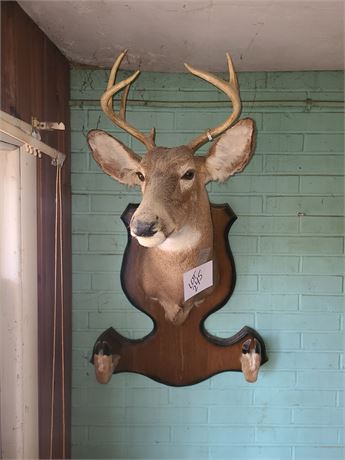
(288, 244)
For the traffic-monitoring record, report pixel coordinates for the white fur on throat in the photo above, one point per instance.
(186, 238)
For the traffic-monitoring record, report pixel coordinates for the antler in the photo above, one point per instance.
(230, 88)
(120, 119)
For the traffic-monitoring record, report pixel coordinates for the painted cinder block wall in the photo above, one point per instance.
(288, 244)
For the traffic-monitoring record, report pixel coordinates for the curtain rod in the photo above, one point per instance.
(14, 128)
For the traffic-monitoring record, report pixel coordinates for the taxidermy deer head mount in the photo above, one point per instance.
(173, 223)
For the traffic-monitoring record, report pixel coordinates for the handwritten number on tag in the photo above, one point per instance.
(197, 279)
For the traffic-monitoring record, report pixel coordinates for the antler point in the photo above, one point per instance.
(107, 102)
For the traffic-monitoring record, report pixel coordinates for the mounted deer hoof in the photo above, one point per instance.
(105, 362)
(251, 359)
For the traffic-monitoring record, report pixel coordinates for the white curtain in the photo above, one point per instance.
(18, 306)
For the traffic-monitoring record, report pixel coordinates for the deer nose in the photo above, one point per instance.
(144, 228)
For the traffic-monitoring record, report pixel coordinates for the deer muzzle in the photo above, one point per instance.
(147, 230)
(144, 229)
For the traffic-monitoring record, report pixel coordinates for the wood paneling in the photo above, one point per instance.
(35, 82)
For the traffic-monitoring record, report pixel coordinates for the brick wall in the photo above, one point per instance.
(288, 244)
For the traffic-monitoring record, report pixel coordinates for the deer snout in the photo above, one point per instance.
(147, 232)
(148, 229)
(141, 228)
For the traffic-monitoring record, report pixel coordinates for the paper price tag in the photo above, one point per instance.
(198, 279)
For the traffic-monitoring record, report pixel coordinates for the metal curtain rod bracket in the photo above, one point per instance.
(16, 132)
(46, 125)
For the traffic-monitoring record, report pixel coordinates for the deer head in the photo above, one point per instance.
(174, 212)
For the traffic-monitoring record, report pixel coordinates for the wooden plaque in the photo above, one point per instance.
(188, 353)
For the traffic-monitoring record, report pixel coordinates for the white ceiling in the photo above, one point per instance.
(162, 34)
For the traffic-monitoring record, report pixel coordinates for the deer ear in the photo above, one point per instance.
(113, 157)
(232, 151)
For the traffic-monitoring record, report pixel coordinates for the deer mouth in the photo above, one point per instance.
(149, 235)
(151, 241)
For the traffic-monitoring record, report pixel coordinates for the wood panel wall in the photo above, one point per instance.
(35, 82)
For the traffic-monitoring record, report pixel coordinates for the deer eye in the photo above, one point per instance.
(188, 175)
(140, 176)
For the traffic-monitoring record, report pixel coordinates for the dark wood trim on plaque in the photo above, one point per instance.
(35, 82)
